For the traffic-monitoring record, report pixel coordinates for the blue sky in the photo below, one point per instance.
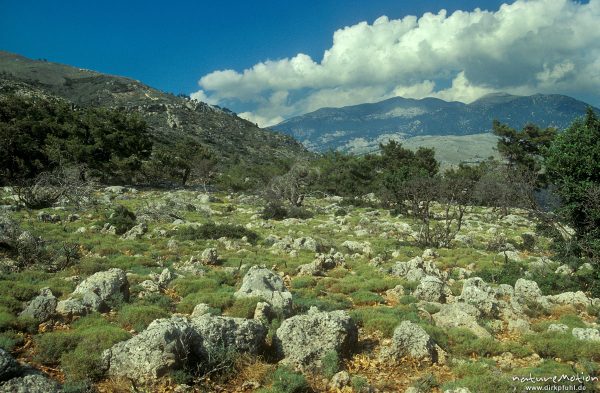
(174, 45)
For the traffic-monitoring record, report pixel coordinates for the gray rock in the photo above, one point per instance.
(263, 312)
(461, 315)
(564, 270)
(558, 327)
(165, 278)
(586, 334)
(42, 307)
(413, 341)
(47, 217)
(71, 307)
(340, 380)
(210, 256)
(416, 269)
(357, 247)
(166, 345)
(304, 340)
(136, 232)
(115, 189)
(200, 309)
(458, 390)
(265, 284)
(478, 293)
(306, 243)
(8, 366)
(576, 299)
(431, 289)
(518, 326)
(528, 292)
(220, 335)
(395, 293)
(33, 382)
(103, 287)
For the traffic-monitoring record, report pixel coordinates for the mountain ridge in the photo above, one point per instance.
(363, 126)
(170, 118)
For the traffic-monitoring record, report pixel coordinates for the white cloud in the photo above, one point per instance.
(549, 46)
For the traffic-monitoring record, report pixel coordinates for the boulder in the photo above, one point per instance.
(431, 289)
(209, 256)
(461, 315)
(8, 366)
(528, 292)
(416, 269)
(200, 309)
(166, 345)
(576, 299)
(267, 285)
(558, 327)
(355, 247)
(304, 340)
(96, 293)
(31, 382)
(479, 294)
(411, 340)
(263, 312)
(42, 307)
(220, 336)
(136, 232)
(165, 278)
(340, 380)
(588, 334)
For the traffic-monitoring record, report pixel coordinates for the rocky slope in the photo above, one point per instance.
(170, 117)
(362, 127)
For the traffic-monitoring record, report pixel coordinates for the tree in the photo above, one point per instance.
(573, 165)
(187, 160)
(523, 150)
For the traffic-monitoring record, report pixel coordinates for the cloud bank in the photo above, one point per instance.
(530, 46)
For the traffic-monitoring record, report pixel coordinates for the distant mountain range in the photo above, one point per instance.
(360, 128)
(170, 118)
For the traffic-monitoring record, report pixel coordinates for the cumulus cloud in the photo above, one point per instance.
(529, 46)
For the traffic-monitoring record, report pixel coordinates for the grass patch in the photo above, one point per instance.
(139, 317)
(215, 231)
(383, 319)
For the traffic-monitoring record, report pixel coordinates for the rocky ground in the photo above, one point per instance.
(199, 293)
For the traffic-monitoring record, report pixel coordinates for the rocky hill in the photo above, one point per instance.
(170, 117)
(362, 127)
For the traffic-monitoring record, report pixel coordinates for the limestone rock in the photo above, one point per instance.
(411, 340)
(588, 334)
(304, 340)
(265, 284)
(42, 307)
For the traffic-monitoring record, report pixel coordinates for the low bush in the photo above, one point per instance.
(122, 219)
(362, 298)
(243, 307)
(213, 231)
(139, 317)
(384, 319)
(286, 380)
(330, 364)
(563, 345)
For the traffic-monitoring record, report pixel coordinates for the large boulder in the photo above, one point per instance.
(42, 307)
(413, 341)
(225, 335)
(432, 289)
(304, 340)
(136, 232)
(416, 269)
(527, 292)
(577, 299)
(166, 345)
(96, 293)
(479, 294)
(462, 315)
(31, 382)
(267, 285)
(588, 334)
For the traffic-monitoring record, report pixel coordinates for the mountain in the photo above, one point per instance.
(170, 118)
(360, 128)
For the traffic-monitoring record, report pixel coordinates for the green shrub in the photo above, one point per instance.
(303, 282)
(563, 345)
(140, 316)
(274, 211)
(465, 343)
(359, 383)
(286, 380)
(383, 319)
(480, 377)
(9, 340)
(221, 299)
(362, 298)
(51, 346)
(213, 231)
(528, 241)
(340, 212)
(243, 307)
(303, 300)
(122, 219)
(299, 212)
(330, 364)
(6, 320)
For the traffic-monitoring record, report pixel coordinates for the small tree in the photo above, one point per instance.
(293, 186)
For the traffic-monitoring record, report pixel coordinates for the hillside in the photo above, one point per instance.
(169, 117)
(361, 127)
